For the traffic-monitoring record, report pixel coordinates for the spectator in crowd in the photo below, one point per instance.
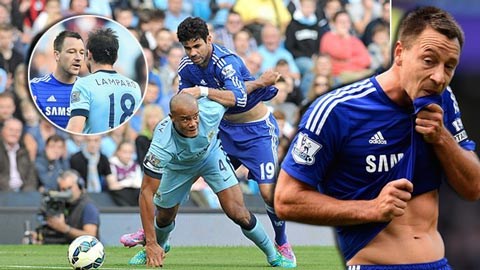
(272, 51)
(379, 49)
(30, 115)
(10, 57)
(294, 95)
(258, 13)
(329, 9)
(254, 63)
(74, 143)
(52, 163)
(280, 103)
(76, 7)
(17, 172)
(113, 138)
(124, 16)
(150, 21)
(82, 216)
(92, 165)
(125, 186)
(322, 66)
(175, 14)
(350, 58)
(225, 35)
(363, 12)
(19, 90)
(384, 20)
(51, 14)
(220, 11)
(152, 114)
(36, 137)
(164, 39)
(7, 107)
(320, 85)
(302, 35)
(169, 71)
(242, 43)
(171, 90)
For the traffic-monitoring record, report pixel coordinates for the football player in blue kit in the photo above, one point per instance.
(369, 158)
(248, 131)
(104, 99)
(184, 147)
(52, 92)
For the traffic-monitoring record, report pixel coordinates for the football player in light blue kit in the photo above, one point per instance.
(185, 146)
(249, 132)
(104, 99)
(52, 92)
(369, 158)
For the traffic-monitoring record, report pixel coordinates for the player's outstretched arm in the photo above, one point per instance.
(147, 213)
(226, 98)
(76, 124)
(297, 201)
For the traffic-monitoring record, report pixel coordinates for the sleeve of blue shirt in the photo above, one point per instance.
(312, 151)
(453, 120)
(228, 69)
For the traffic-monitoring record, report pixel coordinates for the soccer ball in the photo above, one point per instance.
(86, 252)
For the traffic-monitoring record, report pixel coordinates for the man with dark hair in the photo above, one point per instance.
(52, 92)
(51, 162)
(369, 158)
(119, 97)
(248, 131)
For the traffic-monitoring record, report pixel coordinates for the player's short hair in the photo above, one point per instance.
(103, 44)
(58, 42)
(419, 19)
(192, 28)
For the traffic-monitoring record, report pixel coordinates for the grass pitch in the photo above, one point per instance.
(14, 257)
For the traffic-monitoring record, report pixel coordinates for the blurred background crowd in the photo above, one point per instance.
(315, 44)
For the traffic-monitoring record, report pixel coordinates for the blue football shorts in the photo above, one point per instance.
(255, 145)
(175, 186)
(438, 265)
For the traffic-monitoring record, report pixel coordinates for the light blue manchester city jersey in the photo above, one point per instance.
(170, 150)
(106, 98)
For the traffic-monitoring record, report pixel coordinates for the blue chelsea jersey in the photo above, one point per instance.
(351, 142)
(52, 98)
(225, 70)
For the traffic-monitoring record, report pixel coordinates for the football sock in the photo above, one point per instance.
(278, 226)
(260, 238)
(163, 233)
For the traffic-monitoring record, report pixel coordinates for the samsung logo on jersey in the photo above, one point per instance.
(382, 163)
(57, 111)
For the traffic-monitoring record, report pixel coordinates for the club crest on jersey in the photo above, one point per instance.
(75, 96)
(228, 71)
(305, 149)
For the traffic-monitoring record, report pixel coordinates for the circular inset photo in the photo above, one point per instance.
(87, 74)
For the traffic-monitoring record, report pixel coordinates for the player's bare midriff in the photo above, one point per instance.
(411, 238)
(257, 112)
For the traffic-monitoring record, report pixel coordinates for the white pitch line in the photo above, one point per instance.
(50, 267)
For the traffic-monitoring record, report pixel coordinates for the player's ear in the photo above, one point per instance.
(209, 38)
(56, 54)
(397, 54)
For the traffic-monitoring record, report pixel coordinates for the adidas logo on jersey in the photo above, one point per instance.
(202, 82)
(377, 139)
(52, 99)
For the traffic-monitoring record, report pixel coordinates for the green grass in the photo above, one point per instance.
(16, 257)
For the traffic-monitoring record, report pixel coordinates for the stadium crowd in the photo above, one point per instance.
(315, 44)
